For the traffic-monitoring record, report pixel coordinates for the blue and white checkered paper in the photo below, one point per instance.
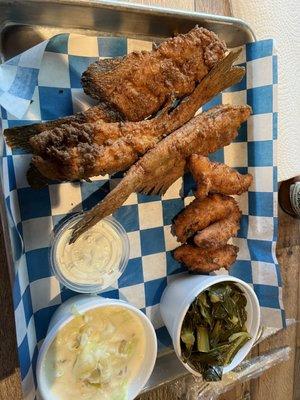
(51, 85)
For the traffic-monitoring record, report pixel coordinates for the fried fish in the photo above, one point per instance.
(206, 260)
(140, 83)
(201, 213)
(218, 233)
(213, 177)
(79, 151)
(163, 165)
(19, 136)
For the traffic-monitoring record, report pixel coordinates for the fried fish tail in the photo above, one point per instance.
(19, 136)
(112, 202)
(206, 260)
(213, 177)
(218, 233)
(201, 213)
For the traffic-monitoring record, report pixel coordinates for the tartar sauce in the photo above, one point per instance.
(94, 258)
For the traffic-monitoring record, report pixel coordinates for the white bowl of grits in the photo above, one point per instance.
(97, 258)
(96, 349)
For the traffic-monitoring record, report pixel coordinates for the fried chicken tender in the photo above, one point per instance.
(213, 177)
(218, 233)
(206, 260)
(201, 213)
(140, 83)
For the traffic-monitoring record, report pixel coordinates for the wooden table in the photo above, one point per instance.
(280, 383)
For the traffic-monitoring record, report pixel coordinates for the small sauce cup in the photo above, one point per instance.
(116, 242)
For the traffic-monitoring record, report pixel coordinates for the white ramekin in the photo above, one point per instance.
(179, 295)
(83, 303)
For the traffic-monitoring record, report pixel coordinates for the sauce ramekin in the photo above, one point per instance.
(91, 288)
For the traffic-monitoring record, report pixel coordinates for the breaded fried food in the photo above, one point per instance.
(19, 136)
(163, 165)
(206, 260)
(214, 177)
(218, 233)
(79, 151)
(140, 83)
(201, 213)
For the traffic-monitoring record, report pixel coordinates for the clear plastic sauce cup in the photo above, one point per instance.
(97, 258)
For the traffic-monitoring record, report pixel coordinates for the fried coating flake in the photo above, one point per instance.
(218, 233)
(206, 260)
(201, 213)
(214, 177)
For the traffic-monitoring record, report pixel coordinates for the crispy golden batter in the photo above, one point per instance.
(79, 151)
(218, 233)
(140, 83)
(206, 260)
(201, 213)
(163, 165)
(19, 136)
(213, 177)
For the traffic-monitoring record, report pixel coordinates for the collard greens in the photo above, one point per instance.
(214, 329)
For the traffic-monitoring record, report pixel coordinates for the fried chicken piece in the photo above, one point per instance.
(201, 213)
(19, 136)
(213, 177)
(206, 260)
(76, 151)
(140, 83)
(218, 233)
(163, 165)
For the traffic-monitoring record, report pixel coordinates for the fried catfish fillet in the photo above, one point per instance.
(140, 83)
(19, 137)
(79, 151)
(206, 260)
(201, 213)
(218, 233)
(164, 164)
(213, 177)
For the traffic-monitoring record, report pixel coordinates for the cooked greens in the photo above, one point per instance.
(214, 330)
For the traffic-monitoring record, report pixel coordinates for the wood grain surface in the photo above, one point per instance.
(279, 383)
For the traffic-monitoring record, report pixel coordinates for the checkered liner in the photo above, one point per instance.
(51, 84)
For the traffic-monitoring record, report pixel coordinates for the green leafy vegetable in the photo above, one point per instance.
(202, 303)
(218, 293)
(188, 338)
(235, 346)
(212, 373)
(213, 330)
(202, 339)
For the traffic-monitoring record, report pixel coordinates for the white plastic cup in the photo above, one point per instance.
(83, 303)
(179, 295)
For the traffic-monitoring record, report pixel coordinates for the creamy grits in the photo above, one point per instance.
(96, 355)
(94, 258)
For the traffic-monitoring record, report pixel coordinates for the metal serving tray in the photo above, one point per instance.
(23, 24)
